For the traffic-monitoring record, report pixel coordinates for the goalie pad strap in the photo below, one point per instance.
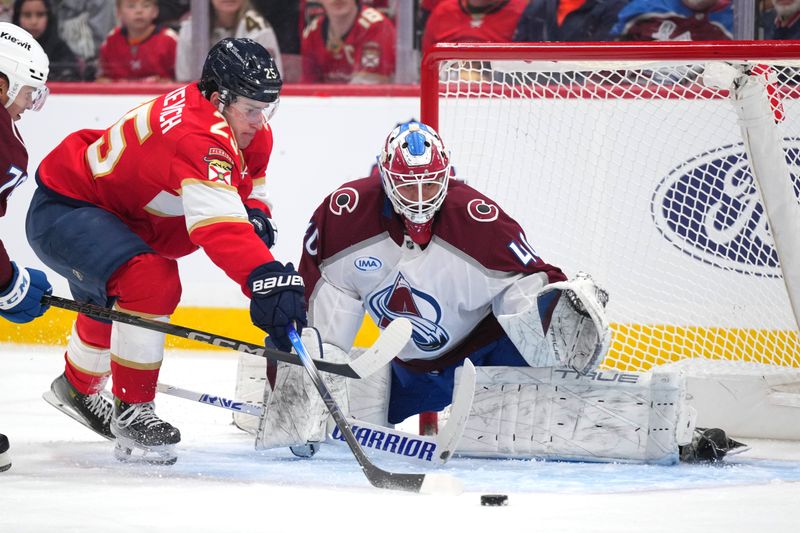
(558, 414)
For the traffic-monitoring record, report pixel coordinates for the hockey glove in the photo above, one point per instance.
(263, 225)
(21, 301)
(277, 301)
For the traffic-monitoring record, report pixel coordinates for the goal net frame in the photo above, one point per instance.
(772, 386)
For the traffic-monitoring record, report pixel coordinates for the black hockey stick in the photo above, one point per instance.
(422, 483)
(391, 341)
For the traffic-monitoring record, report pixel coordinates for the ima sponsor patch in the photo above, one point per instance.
(371, 55)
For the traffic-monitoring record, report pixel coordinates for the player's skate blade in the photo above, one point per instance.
(129, 451)
(305, 451)
(90, 410)
(142, 437)
(5, 455)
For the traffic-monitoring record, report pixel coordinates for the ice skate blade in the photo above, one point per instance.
(53, 400)
(5, 461)
(128, 451)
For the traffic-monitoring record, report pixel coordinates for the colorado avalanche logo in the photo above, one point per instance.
(482, 211)
(710, 209)
(345, 199)
(424, 312)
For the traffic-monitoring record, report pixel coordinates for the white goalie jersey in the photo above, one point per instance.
(477, 266)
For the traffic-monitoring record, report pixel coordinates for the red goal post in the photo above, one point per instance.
(633, 161)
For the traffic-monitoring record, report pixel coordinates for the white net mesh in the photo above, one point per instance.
(637, 174)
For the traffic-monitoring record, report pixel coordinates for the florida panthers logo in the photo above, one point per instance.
(424, 312)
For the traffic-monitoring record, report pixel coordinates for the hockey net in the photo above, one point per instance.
(627, 161)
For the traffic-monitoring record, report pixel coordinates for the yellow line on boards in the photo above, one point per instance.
(56, 325)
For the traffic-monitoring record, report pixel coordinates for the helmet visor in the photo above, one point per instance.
(255, 111)
(38, 98)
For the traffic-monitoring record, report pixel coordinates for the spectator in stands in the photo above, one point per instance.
(675, 20)
(349, 44)
(781, 22)
(472, 21)
(284, 16)
(568, 20)
(84, 25)
(38, 19)
(171, 12)
(311, 9)
(5, 10)
(229, 18)
(138, 49)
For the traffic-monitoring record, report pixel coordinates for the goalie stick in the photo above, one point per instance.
(379, 478)
(418, 448)
(388, 345)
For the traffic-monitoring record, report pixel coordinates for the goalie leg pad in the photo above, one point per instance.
(369, 397)
(294, 413)
(559, 414)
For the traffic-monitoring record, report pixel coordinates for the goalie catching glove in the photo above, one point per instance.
(277, 301)
(563, 324)
(579, 331)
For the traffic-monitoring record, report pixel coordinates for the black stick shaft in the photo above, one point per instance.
(377, 477)
(95, 311)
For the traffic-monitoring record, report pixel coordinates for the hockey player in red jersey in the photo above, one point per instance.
(348, 44)
(23, 73)
(114, 210)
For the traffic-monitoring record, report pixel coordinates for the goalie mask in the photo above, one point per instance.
(24, 63)
(242, 67)
(415, 169)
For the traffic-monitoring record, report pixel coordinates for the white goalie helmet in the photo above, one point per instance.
(415, 169)
(24, 63)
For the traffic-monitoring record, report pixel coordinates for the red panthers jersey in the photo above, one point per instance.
(172, 171)
(13, 171)
(154, 56)
(367, 49)
(452, 21)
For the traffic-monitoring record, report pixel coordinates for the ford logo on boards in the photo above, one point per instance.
(368, 264)
(709, 208)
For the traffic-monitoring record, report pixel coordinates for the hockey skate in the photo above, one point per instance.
(142, 436)
(710, 445)
(91, 410)
(305, 451)
(5, 456)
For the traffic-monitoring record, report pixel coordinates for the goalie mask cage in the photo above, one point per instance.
(633, 162)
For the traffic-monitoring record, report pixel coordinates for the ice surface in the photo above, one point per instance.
(65, 479)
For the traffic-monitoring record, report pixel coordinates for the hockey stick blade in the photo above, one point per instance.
(388, 345)
(429, 450)
(419, 483)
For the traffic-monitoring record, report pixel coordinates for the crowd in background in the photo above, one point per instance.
(351, 41)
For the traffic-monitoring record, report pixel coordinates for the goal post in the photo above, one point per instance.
(670, 172)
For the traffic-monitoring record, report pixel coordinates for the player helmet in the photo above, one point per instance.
(23, 62)
(415, 169)
(241, 67)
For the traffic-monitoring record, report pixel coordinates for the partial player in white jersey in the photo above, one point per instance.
(420, 245)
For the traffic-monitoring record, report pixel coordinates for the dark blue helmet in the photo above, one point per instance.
(240, 67)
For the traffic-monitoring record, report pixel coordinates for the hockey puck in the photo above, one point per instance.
(493, 500)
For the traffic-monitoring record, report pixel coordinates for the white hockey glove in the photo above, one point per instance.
(579, 333)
